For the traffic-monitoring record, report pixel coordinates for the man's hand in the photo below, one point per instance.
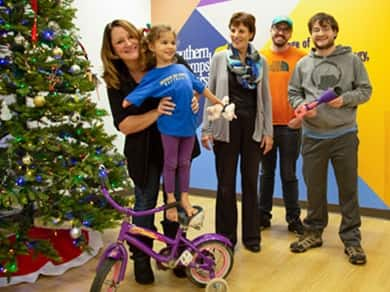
(207, 142)
(311, 113)
(337, 102)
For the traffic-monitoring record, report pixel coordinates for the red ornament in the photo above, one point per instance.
(34, 30)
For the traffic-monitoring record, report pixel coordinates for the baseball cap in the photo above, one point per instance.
(282, 18)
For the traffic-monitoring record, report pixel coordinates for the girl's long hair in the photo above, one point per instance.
(153, 35)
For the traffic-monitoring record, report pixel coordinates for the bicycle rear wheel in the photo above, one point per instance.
(107, 277)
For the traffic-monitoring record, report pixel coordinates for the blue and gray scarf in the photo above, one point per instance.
(250, 73)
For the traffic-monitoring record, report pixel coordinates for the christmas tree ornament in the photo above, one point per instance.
(87, 222)
(34, 29)
(57, 52)
(19, 39)
(38, 178)
(4, 61)
(11, 267)
(100, 112)
(20, 181)
(49, 59)
(74, 69)
(72, 161)
(27, 159)
(79, 131)
(39, 101)
(75, 232)
(6, 114)
(56, 220)
(75, 118)
(68, 215)
(48, 35)
(54, 26)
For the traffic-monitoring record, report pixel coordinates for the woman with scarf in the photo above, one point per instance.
(239, 72)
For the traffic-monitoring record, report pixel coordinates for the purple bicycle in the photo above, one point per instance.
(207, 259)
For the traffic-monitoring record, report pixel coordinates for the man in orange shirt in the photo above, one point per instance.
(281, 58)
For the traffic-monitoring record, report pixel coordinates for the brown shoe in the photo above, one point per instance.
(305, 242)
(355, 255)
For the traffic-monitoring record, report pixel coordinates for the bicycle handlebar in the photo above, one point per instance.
(128, 211)
(132, 212)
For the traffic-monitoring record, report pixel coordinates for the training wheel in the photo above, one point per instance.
(217, 285)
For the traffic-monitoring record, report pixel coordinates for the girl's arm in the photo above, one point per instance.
(211, 97)
(126, 103)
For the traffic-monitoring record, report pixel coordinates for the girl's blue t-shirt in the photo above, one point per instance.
(177, 82)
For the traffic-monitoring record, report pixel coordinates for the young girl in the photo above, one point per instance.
(178, 130)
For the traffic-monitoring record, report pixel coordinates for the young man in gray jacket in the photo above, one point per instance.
(330, 134)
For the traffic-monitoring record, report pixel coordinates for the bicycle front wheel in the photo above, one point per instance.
(107, 277)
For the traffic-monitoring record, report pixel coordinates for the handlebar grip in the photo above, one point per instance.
(172, 205)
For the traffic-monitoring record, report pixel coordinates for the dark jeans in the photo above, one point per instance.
(287, 143)
(342, 153)
(227, 155)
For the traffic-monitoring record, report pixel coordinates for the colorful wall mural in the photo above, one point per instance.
(202, 26)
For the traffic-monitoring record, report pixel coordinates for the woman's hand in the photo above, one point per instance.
(207, 141)
(267, 142)
(195, 105)
(166, 106)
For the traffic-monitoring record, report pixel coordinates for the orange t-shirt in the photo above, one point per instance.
(281, 65)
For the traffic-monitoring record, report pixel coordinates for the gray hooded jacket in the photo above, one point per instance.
(314, 74)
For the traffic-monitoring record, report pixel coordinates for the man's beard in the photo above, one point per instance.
(278, 44)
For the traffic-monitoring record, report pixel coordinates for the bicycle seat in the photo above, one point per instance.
(195, 221)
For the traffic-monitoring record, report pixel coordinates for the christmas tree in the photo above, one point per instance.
(52, 136)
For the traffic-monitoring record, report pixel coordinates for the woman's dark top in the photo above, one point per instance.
(245, 99)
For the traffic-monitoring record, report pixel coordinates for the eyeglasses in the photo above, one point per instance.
(283, 29)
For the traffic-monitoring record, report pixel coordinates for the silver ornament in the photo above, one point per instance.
(75, 232)
(74, 69)
(54, 26)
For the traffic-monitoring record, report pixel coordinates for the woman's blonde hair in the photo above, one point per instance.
(107, 54)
